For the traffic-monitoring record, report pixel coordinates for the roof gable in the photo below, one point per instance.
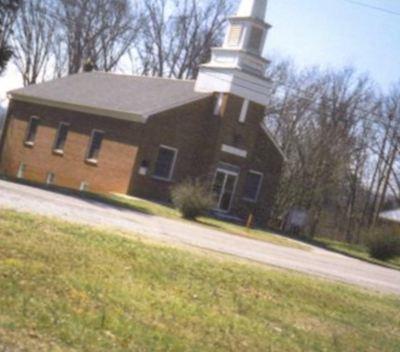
(273, 140)
(120, 96)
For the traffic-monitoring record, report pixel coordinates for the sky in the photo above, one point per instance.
(337, 33)
(327, 33)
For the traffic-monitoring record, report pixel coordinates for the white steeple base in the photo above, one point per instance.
(233, 81)
(238, 67)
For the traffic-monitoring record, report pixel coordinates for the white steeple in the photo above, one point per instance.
(253, 8)
(238, 67)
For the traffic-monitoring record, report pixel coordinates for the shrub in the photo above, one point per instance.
(384, 244)
(192, 199)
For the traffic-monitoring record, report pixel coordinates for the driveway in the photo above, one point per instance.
(316, 262)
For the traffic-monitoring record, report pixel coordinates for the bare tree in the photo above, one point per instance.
(322, 120)
(96, 30)
(120, 34)
(32, 39)
(198, 29)
(163, 37)
(389, 152)
(177, 36)
(59, 57)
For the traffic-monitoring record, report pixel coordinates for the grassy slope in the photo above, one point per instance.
(356, 251)
(352, 250)
(168, 212)
(148, 207)
(66, 287)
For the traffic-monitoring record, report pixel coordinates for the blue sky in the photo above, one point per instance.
(329, 33)
(336, 33)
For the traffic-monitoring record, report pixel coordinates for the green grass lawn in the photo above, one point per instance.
(154, 208)
(356, 251)
(164, 210)
(167, 211)
(353, 250)
(66, 287)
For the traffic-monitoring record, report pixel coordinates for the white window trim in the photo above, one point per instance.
(232, 173)
(234, 151)
(58, 135)
(243, 112)
(255, 200)
(171, 171)
(90, 144)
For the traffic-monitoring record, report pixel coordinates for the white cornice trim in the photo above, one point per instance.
(227, 80)
(257, 21)
(234, 151)
(235, 50)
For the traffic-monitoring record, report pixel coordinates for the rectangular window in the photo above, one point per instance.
(61, 137)
(165, 163)
(50, 178)
(252, 185)
(32, 130)
(95, 145)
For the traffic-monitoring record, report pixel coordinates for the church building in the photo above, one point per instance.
(103, 132)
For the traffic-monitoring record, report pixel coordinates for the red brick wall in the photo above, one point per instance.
(267, 160)
(188, 129)
(116, 158)
(192, 129)
(199, 135)
(262, 156)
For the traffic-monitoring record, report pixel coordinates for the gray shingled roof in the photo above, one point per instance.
(128, 97)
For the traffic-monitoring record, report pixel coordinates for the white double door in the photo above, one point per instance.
(224, 189)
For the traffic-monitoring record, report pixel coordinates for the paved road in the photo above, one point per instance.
(316, 261)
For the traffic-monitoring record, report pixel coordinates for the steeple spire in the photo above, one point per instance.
(253, 8)
(238, 67)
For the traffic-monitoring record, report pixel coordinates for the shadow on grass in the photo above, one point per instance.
(204, 222)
